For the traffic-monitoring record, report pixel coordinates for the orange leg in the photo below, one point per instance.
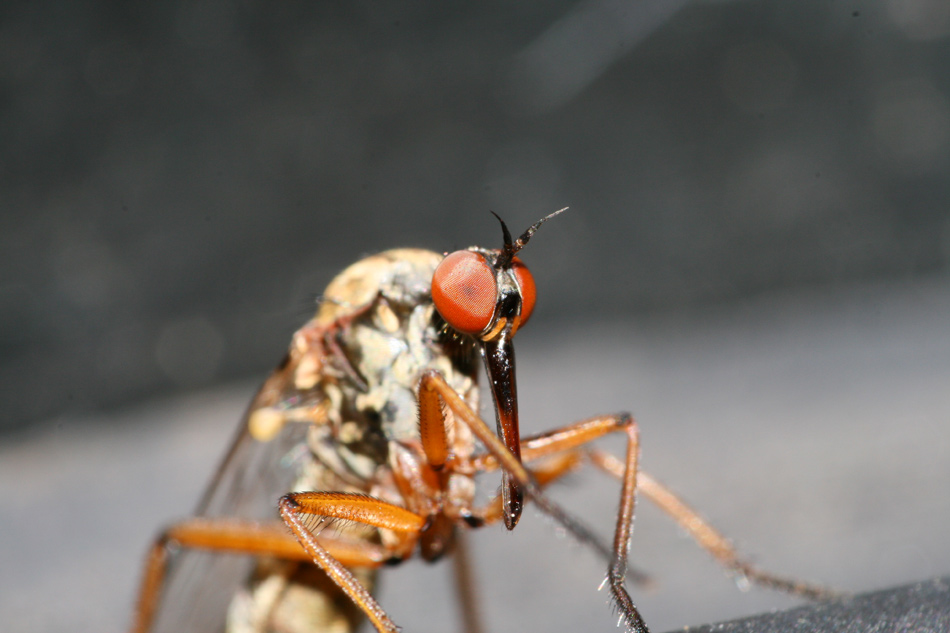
(435, 445)
(240, 537)
(571, 438)
(707, 536)
(305, 511)
(545, 474)
(554, 442)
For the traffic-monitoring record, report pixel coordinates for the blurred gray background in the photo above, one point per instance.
(179, 180)
(755, 263)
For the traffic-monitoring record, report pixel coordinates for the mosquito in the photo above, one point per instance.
(369, 425)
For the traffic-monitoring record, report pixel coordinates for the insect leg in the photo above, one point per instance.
(301, 510)
(240, 537)
(570, 438)
(547, 473)
(433, 381)
(560, 440)
(435, 444)
(465, 584)
(707, 536)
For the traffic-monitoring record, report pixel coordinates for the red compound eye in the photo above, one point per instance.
(529, 292)
(464, 291)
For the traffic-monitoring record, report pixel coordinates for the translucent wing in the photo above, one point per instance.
(255, 473)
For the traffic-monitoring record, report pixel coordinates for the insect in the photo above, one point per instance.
(369, 426)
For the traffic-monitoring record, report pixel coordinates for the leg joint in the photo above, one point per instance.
(288, 502)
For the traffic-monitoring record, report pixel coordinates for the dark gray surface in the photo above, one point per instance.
(810, 428)
(922, 607)
(179, 178)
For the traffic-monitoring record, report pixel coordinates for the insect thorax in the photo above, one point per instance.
(380, 312)
(352, 377)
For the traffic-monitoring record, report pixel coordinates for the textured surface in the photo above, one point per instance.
(922, 607)
(812, 429)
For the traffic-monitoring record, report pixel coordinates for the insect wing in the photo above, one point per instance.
(254, 474)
